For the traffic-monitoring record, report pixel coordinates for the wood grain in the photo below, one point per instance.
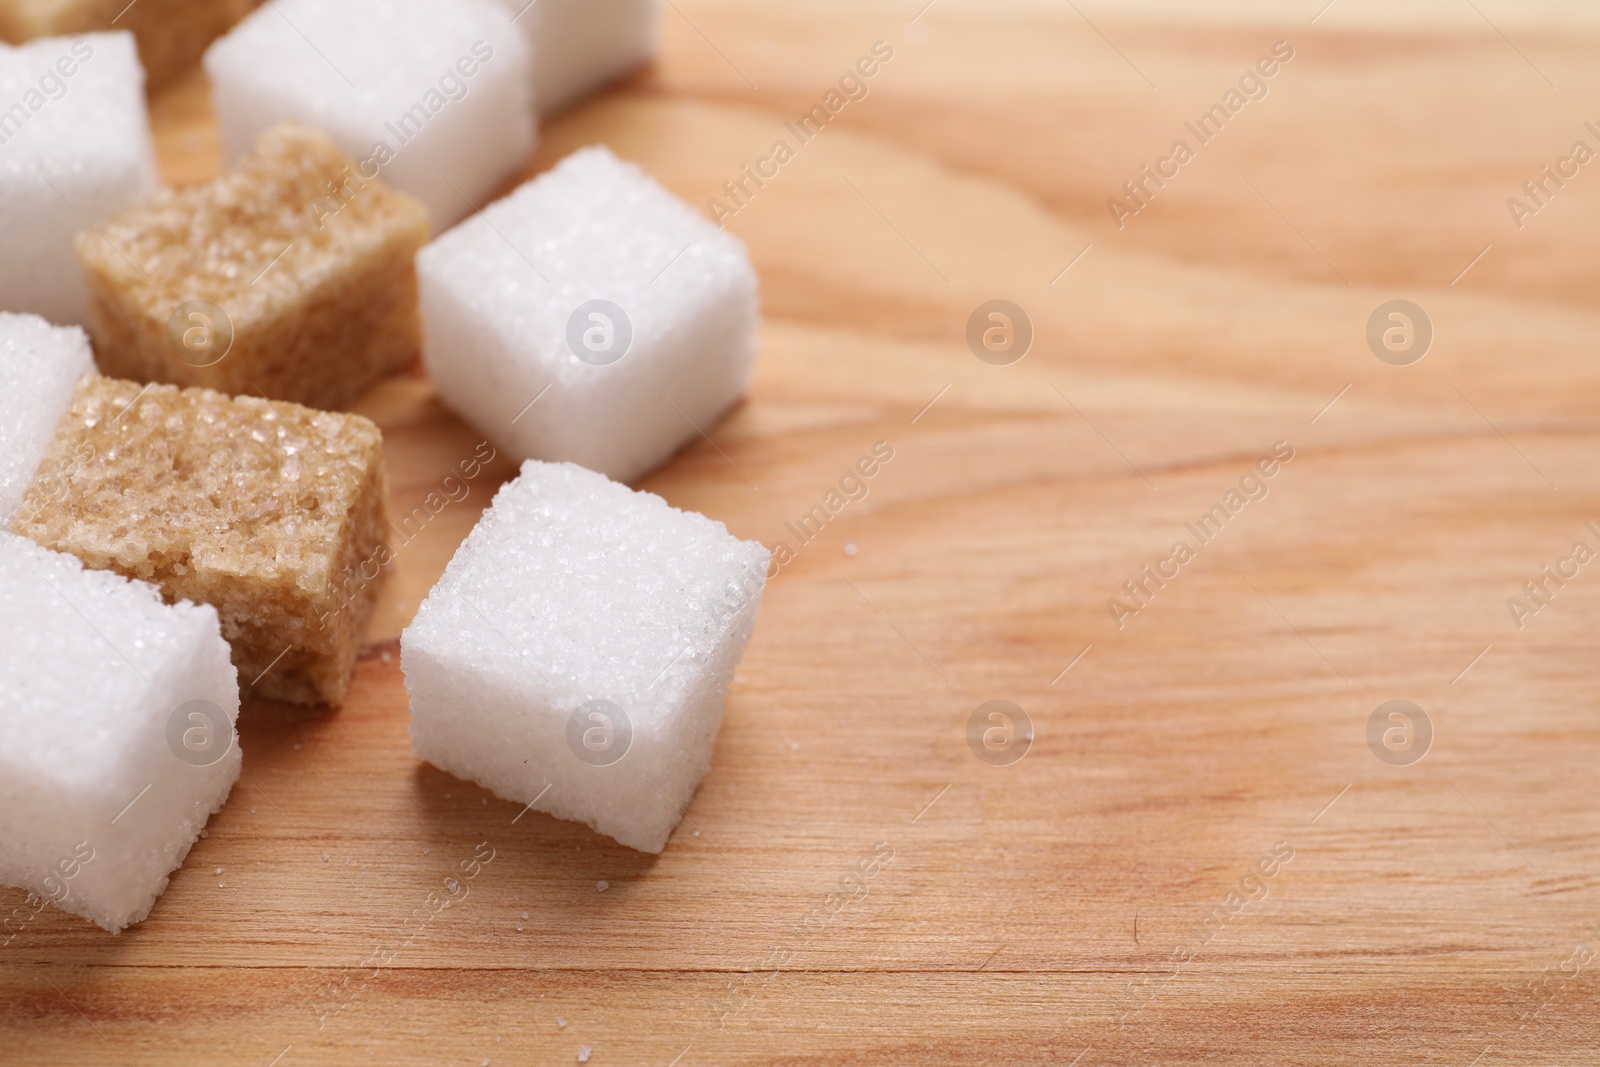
(1441, 912)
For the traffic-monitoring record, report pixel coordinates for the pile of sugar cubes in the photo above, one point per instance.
(186, 516)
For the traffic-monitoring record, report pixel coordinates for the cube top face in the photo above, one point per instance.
(162, 482)
(574, 588)
(255, 240)
(76, 109)
(92, 668)
(596, 228)
(443, 88)
(40, 366)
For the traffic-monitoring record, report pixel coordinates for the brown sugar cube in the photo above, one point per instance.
(271, 512)
(172, 34)
(290, 277)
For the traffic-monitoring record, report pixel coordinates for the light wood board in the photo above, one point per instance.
(1051, 911)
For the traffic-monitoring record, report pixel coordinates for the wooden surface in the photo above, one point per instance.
(1440, 912)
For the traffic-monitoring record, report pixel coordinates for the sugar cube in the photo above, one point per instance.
(577, 652)
(271, 512)
(171, 33)
(580, 45)
(74, 150)
(434, 96)
(291, 276)
(117, 740)
(40, 365)
(592, 281)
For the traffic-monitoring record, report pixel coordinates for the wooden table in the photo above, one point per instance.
(1201, 858)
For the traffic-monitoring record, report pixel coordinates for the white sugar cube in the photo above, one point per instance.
(580, 45)
(116, 733)
(433, 96)
(576, 654)
(635, 312)
(40, 365)
(74, 150)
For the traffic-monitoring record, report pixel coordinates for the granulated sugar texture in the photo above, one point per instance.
(74, 150)
(436, 97)
(116, 733)
(595, 283)
(40, 365)
(578, 650)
